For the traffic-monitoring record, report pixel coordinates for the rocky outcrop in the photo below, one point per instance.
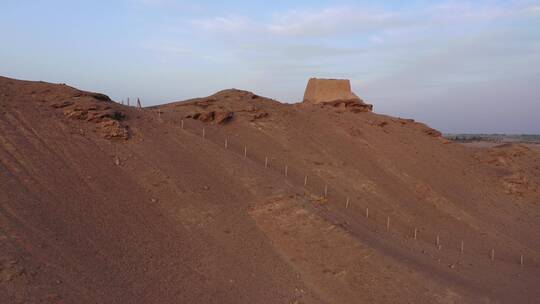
(351, 105)
(225, 106)
(219, 117)
(98, 109)
(512, 163)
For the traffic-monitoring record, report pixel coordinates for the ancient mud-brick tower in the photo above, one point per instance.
(335, 92)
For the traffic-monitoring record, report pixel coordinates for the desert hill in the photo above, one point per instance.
(237, 198)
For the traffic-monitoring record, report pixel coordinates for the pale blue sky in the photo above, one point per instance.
(460, 66)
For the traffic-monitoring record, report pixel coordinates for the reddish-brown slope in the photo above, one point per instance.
(106, 203)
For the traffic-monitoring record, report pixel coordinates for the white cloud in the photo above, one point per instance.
(183, 6)
(533, 9)
(151, 2)
(331, 21)
(226, 24)
(344, 20)
(302, 51)
(468, 10)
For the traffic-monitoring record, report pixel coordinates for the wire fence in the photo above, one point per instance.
(346, 209)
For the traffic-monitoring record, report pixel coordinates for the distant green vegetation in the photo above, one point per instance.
(502, 138)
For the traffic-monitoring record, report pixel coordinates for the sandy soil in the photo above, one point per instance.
(104, 203)
(488, 144)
